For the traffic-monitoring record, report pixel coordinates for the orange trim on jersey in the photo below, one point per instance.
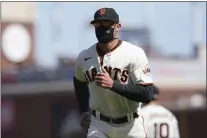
(146, 84)
(144, 127)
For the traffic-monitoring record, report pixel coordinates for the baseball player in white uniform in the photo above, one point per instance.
(159, 121)
(112, 78)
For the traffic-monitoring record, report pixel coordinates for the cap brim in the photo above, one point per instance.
(97, 20)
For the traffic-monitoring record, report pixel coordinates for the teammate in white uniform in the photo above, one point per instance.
(159, 121)
(117, 76)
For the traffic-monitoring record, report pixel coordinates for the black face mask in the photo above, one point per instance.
(104, 35)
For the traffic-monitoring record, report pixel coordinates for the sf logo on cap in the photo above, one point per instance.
(102, 11)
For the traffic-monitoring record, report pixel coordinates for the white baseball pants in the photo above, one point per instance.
(101, 129)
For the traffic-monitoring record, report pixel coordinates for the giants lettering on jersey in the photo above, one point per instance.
(115, 73)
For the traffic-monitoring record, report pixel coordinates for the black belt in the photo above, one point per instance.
(115, 120)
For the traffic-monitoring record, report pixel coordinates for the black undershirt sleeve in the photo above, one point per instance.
(134, 92)
(82, 94)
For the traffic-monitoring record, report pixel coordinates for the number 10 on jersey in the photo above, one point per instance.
(161, 130)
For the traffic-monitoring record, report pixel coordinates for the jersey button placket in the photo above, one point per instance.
(106, 59)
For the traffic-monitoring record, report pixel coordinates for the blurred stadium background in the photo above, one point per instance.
(40, 42)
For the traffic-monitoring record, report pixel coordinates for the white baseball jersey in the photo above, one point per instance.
(159, 122)
(126, 64)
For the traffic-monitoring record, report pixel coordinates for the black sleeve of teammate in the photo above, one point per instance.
(134, 92)
(82, 94)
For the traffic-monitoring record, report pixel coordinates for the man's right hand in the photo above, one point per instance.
(85, 120)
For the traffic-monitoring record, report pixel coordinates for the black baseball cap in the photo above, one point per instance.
(155, 92)
(106, 14)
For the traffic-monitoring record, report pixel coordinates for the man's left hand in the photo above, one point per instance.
(103, 79)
